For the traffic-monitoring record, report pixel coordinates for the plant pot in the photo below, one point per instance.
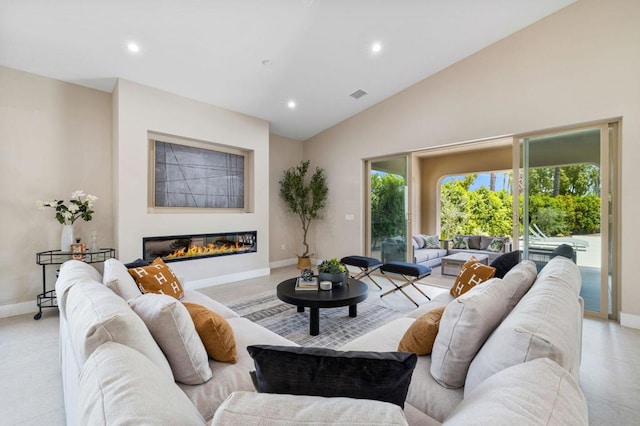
(336, 279)
(304, 262)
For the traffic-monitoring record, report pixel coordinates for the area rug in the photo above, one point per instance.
(336, 327)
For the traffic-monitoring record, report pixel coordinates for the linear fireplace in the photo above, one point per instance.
(188, 247)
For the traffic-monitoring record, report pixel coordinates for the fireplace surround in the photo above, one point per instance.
(177, 248)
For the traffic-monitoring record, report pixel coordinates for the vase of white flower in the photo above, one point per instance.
(80, 207)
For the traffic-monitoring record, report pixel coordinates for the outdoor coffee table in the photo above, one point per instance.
(452, 264)
(349, 294)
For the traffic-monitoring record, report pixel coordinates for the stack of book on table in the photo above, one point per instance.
(305, 285)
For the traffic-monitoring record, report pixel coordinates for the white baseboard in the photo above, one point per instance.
(19, 309)
(224, 279)
(283, 263)
(292, 261)
(629, 320)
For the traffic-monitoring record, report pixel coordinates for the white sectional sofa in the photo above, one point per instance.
(525, 373)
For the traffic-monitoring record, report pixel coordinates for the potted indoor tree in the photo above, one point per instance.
(305, 198)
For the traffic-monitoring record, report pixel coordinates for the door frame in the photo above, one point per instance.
(409, 198)
(609, 200)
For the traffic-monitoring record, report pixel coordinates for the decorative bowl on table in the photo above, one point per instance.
(332, 270)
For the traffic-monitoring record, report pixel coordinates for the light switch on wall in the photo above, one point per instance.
(348, 217)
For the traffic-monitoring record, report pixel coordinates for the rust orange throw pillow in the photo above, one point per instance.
(215, 332)
(420, 336)
(157, 278)
(471, 274)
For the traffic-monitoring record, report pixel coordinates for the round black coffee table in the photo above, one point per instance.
(349, 294)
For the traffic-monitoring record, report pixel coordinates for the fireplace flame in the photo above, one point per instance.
(209, 249)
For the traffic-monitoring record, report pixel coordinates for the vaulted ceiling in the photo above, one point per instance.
(258, 57)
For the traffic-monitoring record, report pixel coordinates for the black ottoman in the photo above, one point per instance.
(367, 266)
(410, 273)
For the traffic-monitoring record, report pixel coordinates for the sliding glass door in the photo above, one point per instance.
(387, 208)
(566, 198)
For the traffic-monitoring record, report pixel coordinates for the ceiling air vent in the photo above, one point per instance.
(358, 94)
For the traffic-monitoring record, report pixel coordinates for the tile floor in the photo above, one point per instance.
(31, 388)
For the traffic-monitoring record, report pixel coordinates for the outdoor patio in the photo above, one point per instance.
(588, 261)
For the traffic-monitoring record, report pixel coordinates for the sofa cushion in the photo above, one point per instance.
(464, 327)
(419, 241)
(382, 376)
(215, 332)
(431, 241)
(420, 336)
(119, 386)
(250, 408)
(97, 315)
(228, 378)
(157, 278)
(172, 328)
(460, 242)
(424, 255)
(519, 280)
(505, 262)
(563, 272)
(564, 250)
(473, 242)
(484, 242)
(424, 393)
(538, 392)
(117, 278)
(496, 245)
(471, 274)
(546, 323)
(137, 263)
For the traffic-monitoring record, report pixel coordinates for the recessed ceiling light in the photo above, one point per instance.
(376, 47)
(133, 47)
(291, 104)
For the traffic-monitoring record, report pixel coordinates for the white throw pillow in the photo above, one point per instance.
(172, 328)
(519, 279)
(118, 279)
(538, 392)
(466, 324)
(96, 315)
(119, 386)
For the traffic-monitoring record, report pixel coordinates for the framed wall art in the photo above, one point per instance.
(192, 174)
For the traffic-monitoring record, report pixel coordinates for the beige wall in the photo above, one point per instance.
(285, 228)
(55, 138)
(578, 65)
(436, 167)
(141, 109)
